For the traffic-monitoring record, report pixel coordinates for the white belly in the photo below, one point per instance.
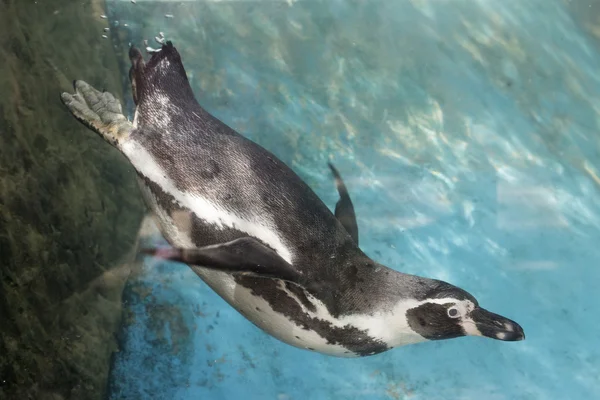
(267, 319)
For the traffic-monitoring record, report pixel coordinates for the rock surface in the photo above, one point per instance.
(68, 206)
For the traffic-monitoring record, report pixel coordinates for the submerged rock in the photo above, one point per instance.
(68, 218)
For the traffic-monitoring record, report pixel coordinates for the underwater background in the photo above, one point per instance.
(466, 132)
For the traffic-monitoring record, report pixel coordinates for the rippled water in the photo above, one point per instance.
(466, 131)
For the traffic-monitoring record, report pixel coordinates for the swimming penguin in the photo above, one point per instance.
(257, 234)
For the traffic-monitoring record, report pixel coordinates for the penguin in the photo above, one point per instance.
(259, 236)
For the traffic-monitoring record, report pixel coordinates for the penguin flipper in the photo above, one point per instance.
(245, 255)
(344, 209)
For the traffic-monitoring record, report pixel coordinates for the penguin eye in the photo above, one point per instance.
(453, 312)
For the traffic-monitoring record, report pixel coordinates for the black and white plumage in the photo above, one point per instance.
(259, 236)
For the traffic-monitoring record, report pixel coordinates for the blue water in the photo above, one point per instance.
(466, 132)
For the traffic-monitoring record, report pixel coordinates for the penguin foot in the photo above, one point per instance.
(99, 111)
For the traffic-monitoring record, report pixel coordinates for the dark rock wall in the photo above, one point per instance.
(69, 206)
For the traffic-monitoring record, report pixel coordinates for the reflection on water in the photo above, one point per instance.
(466, 133)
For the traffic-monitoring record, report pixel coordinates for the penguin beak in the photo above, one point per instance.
(496, 326)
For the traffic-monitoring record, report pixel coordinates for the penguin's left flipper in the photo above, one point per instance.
(245, 256)
(344, 209)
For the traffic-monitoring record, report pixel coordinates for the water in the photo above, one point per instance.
(465, 131)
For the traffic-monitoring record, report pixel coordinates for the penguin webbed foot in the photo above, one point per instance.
(99, 111)
(245, 256)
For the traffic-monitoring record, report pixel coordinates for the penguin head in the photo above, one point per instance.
(448, 312)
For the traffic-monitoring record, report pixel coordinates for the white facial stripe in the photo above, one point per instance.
(390, 327)
(259, 227)
(445, 300)
(469, 327)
